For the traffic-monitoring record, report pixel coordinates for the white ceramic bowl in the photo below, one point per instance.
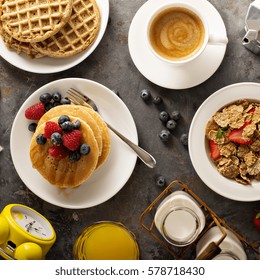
(198, 146)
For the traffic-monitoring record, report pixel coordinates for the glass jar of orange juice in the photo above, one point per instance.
(106, 240)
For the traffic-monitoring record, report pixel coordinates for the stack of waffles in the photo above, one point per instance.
(62, 172)
(55, 28)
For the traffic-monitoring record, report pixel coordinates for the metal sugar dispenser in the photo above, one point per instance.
(251, 39)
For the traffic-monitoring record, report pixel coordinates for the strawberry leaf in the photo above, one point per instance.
(258, 215)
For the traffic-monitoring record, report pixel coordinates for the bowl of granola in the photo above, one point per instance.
(224, 141)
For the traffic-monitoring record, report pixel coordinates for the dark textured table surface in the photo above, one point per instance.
(111, 65)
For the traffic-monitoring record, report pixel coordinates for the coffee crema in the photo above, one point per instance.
(176, 33)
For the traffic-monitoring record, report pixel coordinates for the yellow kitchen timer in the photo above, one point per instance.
(24, 233)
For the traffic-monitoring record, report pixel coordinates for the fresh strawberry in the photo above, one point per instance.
(251, 111)
(50, 128)
(72, 139)
(256, 221)
(35, 112)
(57, 152)
(236, 135)
(214, 151)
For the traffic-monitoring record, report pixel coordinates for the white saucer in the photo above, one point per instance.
(164, 74)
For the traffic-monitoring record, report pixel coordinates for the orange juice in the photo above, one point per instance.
(106, 241)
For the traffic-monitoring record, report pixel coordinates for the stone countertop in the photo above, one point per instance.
(111, 65)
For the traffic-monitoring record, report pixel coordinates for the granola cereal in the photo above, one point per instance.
(234, 140)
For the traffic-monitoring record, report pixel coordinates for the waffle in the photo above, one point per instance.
(33, 21)
(63, 173)
(20, 47)
(77, 34)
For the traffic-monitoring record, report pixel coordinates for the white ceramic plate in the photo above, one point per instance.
(109, 178)
(198, 148)
(47, 65)
(167, 75)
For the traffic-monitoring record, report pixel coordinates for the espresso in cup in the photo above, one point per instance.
(176, 33)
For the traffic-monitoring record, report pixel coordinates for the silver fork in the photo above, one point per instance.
(78, 98)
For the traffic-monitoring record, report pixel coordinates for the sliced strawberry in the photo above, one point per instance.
(35, 112)
(51, 127)
(57, 152)
(72, 139)
(236, 135)
(214, 150)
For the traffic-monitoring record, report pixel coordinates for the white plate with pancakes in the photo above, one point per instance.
(165, 74)
(46, 65)
(109, 178)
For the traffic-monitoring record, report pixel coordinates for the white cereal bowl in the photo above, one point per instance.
(198, 148)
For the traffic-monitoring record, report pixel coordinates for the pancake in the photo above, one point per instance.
(106, 142)
(78, 112)
(63, 173)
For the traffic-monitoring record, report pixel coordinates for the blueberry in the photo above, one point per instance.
(67, 126)
(76, 124)
(164, 116)
(32, 127)
(145, 94)
(175, 115)
(157, 100)
(48, 106)
(84, 149)
(56, 96)
(74, 155)
(161, 181)
(64, 101)
(40, 139)
(45, 98)
(56, 138)
(171, 124)
(184, 139)
(56, 103)
(62, 119)
(164, 135)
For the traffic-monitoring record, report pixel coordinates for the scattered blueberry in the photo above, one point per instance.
(84, 149)
(175, 115)
(184, 139)
(145, 94)
(164, 135)
(32, 127)
(64, 101)
(76, 124)
(74, 155)
(161, 181)
(40, 139)
(62, 119)
(56, 138)
(164, 116)
(56, 96)
(48, 106)
(171, 124)
(67, 126)
(157, 100)
(45, 98)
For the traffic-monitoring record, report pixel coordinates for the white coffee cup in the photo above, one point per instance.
(201, 33)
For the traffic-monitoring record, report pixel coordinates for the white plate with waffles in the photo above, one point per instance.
(107, 180)
(46, 65)
(167, 75)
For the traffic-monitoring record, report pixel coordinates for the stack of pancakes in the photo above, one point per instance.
(56, 28)
(62, 172)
